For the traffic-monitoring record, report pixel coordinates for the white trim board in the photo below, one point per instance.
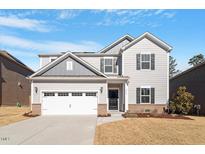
(61, 58)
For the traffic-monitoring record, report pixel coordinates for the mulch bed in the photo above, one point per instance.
(150, 115)
(30, 114)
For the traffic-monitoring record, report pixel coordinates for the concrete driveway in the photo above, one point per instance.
(50, 130)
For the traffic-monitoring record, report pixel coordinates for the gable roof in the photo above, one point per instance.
(125, 37)
(150, 37)
(56, 61)
(188, 70)
(8, 56)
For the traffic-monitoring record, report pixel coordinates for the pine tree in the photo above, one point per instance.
(197, 59)
(172, 67)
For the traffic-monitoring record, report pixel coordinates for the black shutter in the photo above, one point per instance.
(102, 65)
(152, 95)
(138, 95)
(138, 61)
(152, 61)
(115, 65)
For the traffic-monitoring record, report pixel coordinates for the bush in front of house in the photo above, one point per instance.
(182, 102)
(18, 104)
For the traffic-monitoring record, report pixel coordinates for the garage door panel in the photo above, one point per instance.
(65, 105)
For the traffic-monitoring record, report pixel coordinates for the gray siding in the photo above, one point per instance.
(85, 85)
(61, 70)
(157, 78)
(94, 61)
(116, 49)
(195, 83)
(45, 60)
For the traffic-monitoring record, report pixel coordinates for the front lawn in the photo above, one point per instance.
(13, 114)
(152, 131)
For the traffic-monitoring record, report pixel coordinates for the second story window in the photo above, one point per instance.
(145, 61)
(108, 65)
(69, 65)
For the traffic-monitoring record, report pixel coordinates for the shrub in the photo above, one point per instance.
(182, 102)
(18, 104)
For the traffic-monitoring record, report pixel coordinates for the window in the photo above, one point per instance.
(145, 95)
(90, 94)
(145, 61)
(49, 94)
(63, 94)
(69, 65)
(77, 94)
(52, 59)
(108, 65)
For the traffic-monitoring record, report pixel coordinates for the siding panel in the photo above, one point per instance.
(61, 70)
(157, 78)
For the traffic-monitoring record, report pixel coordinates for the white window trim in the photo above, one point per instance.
(145, 61)
(109, 65)
(71, 65)
(148, 87)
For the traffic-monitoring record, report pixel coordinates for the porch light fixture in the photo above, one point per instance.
(36, 89)
(101, 89)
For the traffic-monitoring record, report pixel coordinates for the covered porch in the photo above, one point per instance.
(117, 94)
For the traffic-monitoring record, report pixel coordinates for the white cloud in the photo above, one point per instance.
(68, 14)
(48, 46)
(24, 23)
(138, 17)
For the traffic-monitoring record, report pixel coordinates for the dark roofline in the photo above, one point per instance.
(109, 46)
(91, 54)
(188, 70)
(14, 59)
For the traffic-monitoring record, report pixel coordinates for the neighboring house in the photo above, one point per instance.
(129, 74)
(194, 80)
(14, 87)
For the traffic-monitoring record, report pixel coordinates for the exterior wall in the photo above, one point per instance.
(36, 109)
(194, 81)
(94, 61)
(102, 109)
(68, 86)
(45, 60)
(142, 108)
(11, 75)
(61, 70)
(116, 49)
(157, 78)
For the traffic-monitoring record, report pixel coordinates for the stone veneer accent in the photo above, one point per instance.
(102, 109)
(36, 109)
(141, 108)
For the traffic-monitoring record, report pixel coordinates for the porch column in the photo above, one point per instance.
(126, 96)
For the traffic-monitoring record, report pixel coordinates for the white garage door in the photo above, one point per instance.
(65, 103)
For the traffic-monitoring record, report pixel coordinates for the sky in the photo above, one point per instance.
(27, 33)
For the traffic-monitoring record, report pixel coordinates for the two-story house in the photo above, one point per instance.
(129, 74)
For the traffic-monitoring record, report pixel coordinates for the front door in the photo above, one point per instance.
(113, 99)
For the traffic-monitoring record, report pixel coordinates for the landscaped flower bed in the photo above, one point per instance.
(104, 115)
(147, 115)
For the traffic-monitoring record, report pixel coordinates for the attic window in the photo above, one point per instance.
(69, 65)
